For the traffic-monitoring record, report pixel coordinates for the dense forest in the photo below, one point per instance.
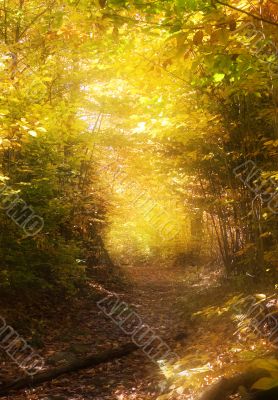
(139, 199)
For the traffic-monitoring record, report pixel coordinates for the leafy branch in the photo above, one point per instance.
(35, 19)
(259, 18)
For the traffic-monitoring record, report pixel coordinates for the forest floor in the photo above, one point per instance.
(171, 303)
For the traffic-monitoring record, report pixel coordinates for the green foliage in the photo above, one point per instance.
(46, 148)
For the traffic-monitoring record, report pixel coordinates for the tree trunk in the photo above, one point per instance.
(87, 362)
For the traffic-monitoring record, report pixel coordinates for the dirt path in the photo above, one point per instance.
(154, 294)
(165, 300)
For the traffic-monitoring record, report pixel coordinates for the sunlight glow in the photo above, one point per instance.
(141, 127)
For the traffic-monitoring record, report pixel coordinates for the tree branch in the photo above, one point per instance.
(135, 21)
(259, 18)
(35, 19)
(87, 362)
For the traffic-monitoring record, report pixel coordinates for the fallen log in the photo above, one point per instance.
(87, 362)
(90, 361)
(225, 387)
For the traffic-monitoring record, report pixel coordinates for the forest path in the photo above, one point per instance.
(154, 292)
(162, 297)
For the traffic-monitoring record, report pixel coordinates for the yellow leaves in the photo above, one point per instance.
(3, 178)
(260, 296)
(5, 143)
(4, 111)
(218, 77)
(197, 17)
(265, 383)
(32, 128)
(68, 32)
(265, 234)
(141, 127)
(273, 143)
(245, 355)
(210, 312)
(194, 371)
(190, 378)
(193, 155)
(32, 133)
(265, 215)
(163, 397)
(209, 156)
(180, 390)
(270, 365)
(187, 54)
(183, 373)
(41, 129)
